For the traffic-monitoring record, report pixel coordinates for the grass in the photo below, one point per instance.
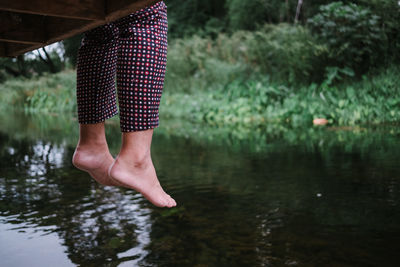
(234, 99)
(50, 93)
(373, 100)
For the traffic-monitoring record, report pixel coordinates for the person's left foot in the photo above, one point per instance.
(95, 161)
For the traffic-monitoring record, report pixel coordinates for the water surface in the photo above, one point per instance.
(246, 197)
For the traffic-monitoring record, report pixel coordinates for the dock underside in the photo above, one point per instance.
(26, 25)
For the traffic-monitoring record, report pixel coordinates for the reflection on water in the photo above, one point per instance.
(245, 198)
(41, 191)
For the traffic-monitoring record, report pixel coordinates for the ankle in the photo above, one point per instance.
(89, 154)
(138, 162)
(92, 145)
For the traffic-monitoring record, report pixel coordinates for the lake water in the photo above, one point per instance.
(246, 197)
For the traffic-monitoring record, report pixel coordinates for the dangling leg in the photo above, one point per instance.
(140, 77)
(92, 154)
(134, 168)
(96, 100)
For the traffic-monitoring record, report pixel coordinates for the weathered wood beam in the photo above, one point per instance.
(56, 29)
(118, 9)
(59, 29)
(2, 49)
(10, 47)
(79, 9)
(27, 26)
(22, 28)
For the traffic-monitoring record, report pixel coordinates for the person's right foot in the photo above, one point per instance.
(141, 177)
(96, 162)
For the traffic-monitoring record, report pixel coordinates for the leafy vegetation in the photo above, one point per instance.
(50, 93)
(258, 102)
(285, 53)
(352, 34)
(248, 102)
(339, 62)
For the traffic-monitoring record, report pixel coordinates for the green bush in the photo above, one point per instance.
(258, 102)
(250, 15)
(189, 17)
(240, 12)
(198, 63)
(389, 11)
(51, 93)
(286, 52)
(240, 102)
(352, 33)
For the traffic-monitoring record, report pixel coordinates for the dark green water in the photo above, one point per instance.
(270, 197)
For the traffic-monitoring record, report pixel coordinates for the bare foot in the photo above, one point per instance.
(95, 161)
(141, 176)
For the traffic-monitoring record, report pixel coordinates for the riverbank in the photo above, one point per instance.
(252, 103)
(373, 100)
(61, 129)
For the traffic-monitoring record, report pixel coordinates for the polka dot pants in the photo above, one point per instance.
(134, 49)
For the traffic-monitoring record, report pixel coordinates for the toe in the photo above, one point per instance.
(167, 202)
(171, 201)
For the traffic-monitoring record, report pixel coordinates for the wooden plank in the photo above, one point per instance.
(56, 29)
(25, 32)
(3, 51)
(59, 29)
(118, 9)
(22, 28)
(79, 9)
(9, 47)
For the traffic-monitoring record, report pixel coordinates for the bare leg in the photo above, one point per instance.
(134, 168)
(92, 154)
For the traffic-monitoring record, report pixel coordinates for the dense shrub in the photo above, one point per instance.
(189, 17)
(240, 102)
(52, 93)
(197, 63)
(285, 53)
(260, 102)
(240, 12)
(389, 11)
(352, 33)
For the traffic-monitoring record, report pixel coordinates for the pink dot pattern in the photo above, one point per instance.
(134, 49)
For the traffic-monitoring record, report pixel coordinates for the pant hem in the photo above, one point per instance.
(138, 130)
(99, 120)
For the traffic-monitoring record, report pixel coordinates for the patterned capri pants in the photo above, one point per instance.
(134, 49)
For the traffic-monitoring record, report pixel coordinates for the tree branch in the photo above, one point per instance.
(299, 4)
